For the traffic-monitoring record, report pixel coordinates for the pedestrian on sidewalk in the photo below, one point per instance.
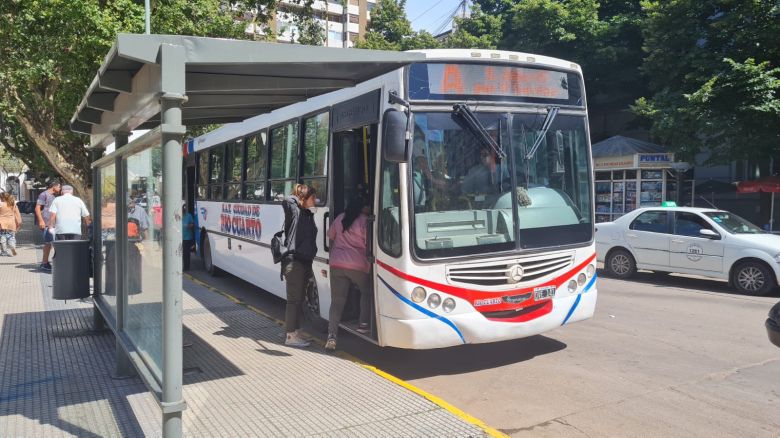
(301, 247)
(42, 207)
(348, 266)
(187, 236)
(10, 223)
(66, 214)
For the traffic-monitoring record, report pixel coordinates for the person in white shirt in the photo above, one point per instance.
(67, 212)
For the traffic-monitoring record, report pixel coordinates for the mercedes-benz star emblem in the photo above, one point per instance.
(515, 274)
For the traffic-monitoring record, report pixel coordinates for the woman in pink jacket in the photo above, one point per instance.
(348, 267)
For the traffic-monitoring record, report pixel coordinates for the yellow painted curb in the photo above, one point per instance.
(436, 400)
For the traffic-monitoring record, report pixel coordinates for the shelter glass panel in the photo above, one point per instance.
(108, 235)
(143, 257)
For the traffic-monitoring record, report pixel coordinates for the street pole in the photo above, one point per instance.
(147, 16)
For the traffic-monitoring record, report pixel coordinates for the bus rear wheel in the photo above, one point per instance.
(208, 262)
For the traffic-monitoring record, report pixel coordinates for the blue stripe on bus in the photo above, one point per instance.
(579, 297)
(423, 310)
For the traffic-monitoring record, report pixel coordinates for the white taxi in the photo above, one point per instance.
(699, 241)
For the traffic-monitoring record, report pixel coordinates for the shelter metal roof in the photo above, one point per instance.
(225, 80)
(619, 146)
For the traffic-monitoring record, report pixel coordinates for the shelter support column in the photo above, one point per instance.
(172, 60)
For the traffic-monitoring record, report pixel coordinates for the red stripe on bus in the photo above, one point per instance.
(471, 295)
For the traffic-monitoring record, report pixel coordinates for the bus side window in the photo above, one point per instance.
(203, 174)
(389, 211)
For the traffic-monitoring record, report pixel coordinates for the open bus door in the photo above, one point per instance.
(354, 154)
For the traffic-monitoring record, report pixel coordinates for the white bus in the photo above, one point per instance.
(479, 167)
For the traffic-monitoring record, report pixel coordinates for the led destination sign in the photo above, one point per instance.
(449, 81)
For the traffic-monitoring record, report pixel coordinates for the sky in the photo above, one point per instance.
(430, 14)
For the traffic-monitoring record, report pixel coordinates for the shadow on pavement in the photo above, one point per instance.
(417, 364)
(404, 364)
(669, 280)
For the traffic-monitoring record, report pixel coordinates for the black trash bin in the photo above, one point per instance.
(70, 273)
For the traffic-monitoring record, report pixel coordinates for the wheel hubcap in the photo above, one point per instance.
(620, 264)
(751, 278)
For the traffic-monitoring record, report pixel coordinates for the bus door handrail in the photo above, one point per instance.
(325, 245)
(370, 238)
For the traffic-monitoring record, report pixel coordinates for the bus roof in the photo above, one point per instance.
(497, 55)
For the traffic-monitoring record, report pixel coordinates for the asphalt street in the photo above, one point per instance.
(663, 356)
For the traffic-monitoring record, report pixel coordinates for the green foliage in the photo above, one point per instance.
(713, 85)
(309, 30)
(390, 29)
(50, 52)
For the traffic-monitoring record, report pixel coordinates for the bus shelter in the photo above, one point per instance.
(165, 83)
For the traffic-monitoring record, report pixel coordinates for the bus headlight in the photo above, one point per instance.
(418, 294)
(434, 300)
(448, 305)
(590, 270)
(572, 286)
(581, 279)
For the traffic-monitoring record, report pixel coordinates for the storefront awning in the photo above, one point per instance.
(225, 80)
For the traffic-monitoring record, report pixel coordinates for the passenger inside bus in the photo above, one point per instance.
(349, 267)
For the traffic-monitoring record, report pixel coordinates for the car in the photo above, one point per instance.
(773, 325)
(699, 241)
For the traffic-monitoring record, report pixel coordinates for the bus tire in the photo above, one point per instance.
(208, 263)
(311, 307)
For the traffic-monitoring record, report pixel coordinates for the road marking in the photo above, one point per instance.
(343, 355)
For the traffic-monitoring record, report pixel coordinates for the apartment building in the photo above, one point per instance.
(344, 21)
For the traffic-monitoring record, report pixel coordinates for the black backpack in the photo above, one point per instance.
(277, 246)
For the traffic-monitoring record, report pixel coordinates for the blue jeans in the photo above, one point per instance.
(7, 240)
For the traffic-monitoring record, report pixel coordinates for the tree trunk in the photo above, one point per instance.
(69, 173)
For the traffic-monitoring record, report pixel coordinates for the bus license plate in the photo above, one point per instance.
(543, 293)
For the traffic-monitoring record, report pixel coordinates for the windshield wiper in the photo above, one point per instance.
(472, 122)
(551, 113)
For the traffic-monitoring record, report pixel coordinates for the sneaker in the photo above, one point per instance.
(300, 335)
(362, 328)
(331, 344)
(4, 254)
(293, 340)
(46, 266)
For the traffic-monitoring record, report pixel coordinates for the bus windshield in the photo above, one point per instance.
(467, 200)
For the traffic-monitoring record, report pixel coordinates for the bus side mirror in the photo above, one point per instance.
(394, 128)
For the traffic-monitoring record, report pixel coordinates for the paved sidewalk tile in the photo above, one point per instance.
(240, 380)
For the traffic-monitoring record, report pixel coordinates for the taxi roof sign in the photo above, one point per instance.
(668, 204)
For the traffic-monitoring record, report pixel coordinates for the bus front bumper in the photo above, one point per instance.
(473, 328)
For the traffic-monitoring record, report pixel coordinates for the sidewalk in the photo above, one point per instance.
(55, 375)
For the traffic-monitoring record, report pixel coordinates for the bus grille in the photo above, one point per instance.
(505, 272)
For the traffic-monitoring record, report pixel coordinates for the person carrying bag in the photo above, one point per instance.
(296, 254)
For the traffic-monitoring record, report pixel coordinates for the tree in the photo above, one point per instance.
(308, 29)
(390, 29)
(713, 76)
(50, 52)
